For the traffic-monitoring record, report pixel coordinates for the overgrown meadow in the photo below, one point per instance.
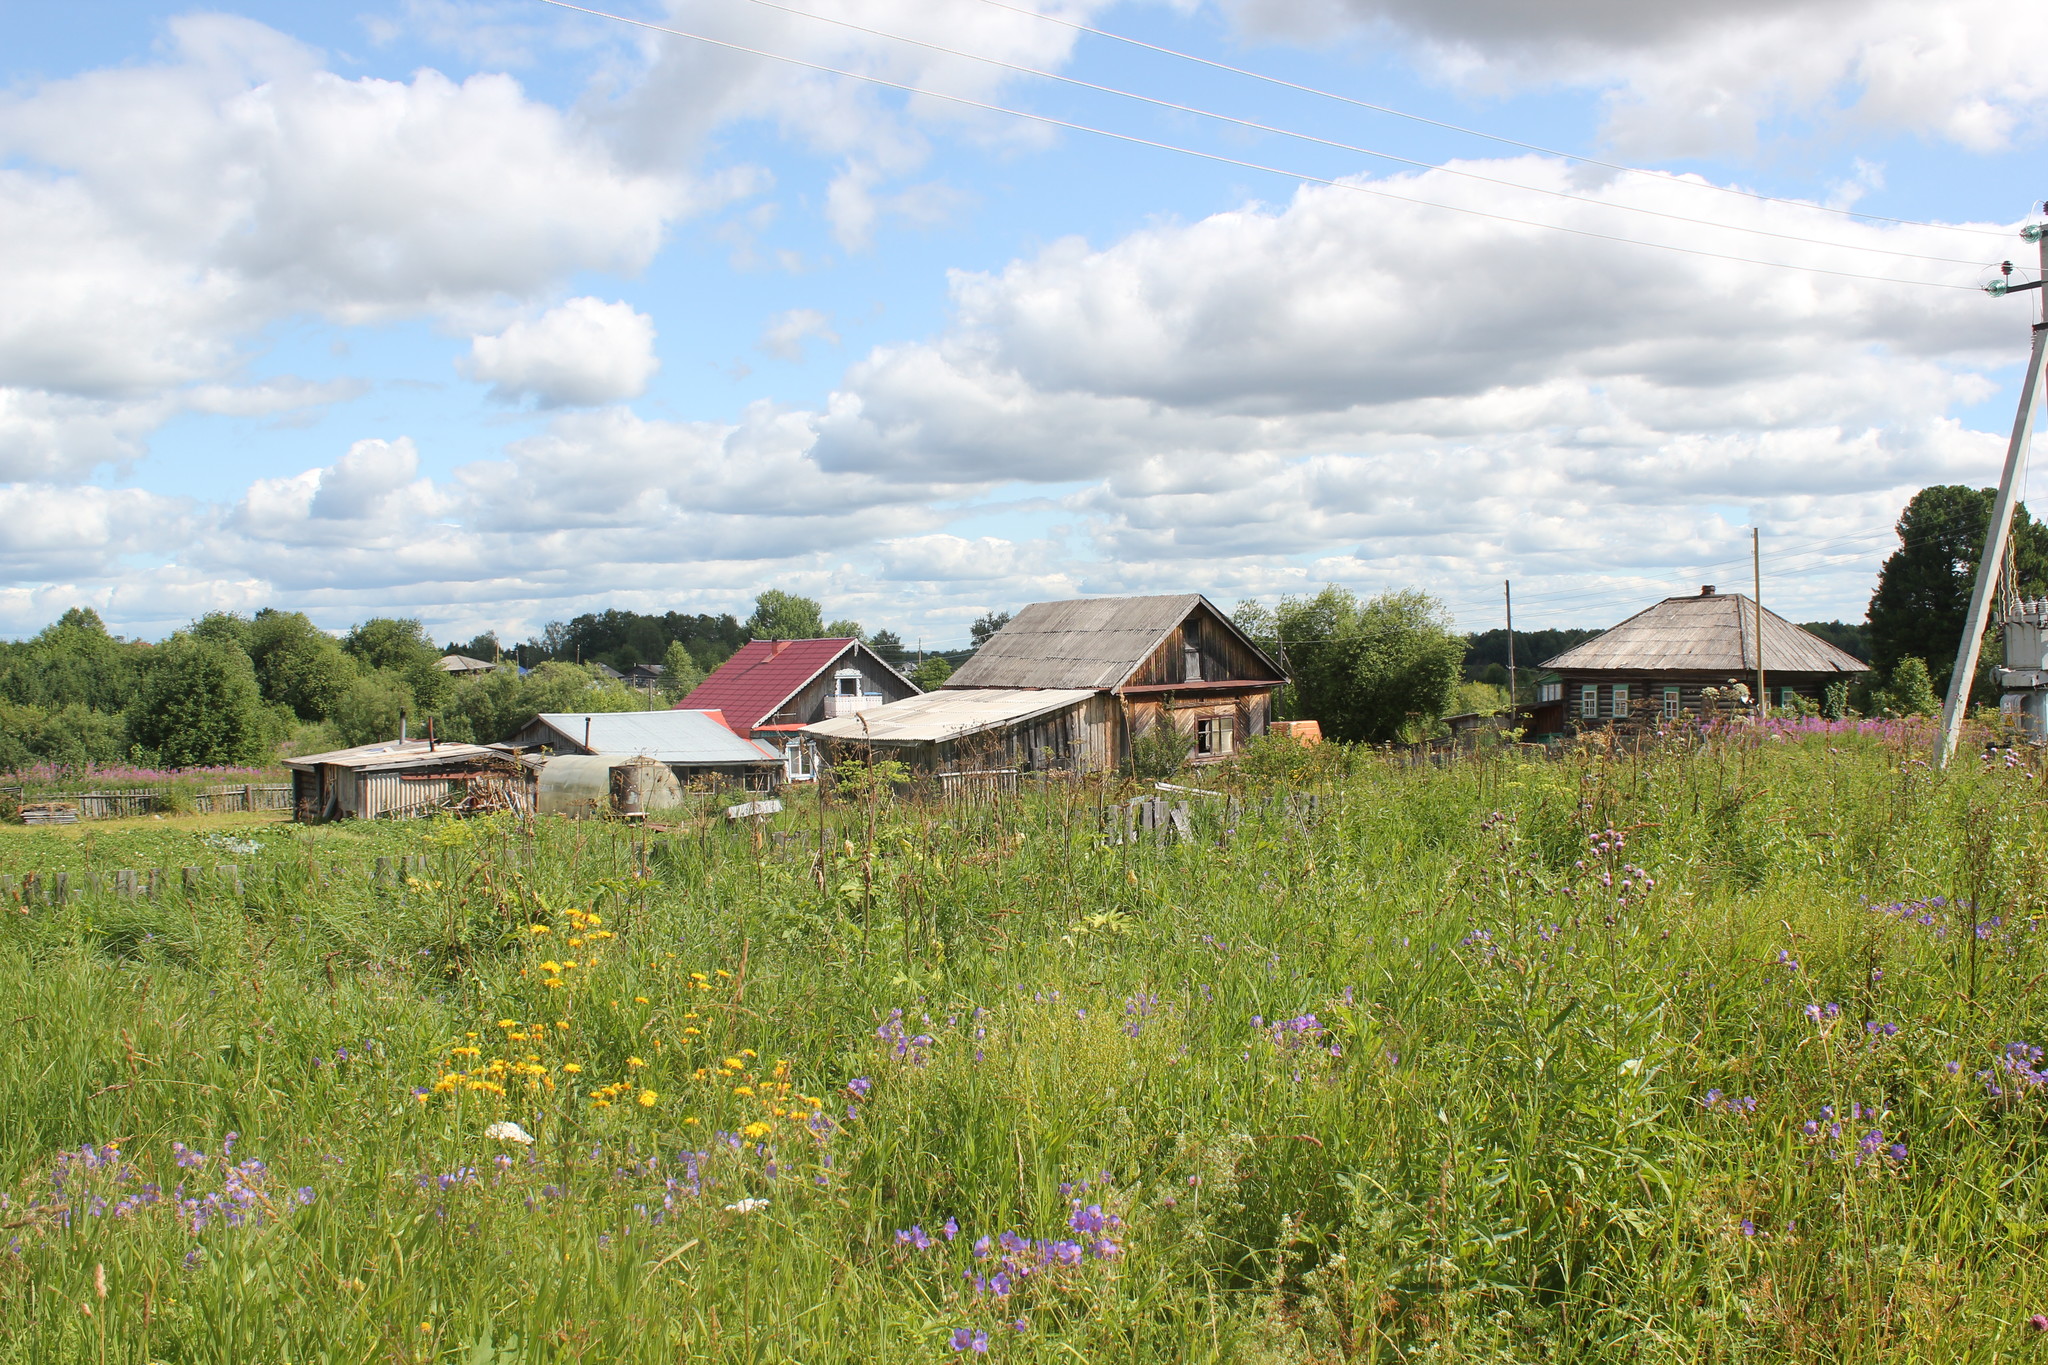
(1726, 1050)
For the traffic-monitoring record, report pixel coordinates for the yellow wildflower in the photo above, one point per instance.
(508, 1023)
(561, 1023)
(698, 976)
(575, 943)
(573, 1068)
(639, 999)
(756, 1130)
(553, 983)
(538, 929)
(692, 1032)
(724, 973)
(748, 1052)
(745, 1092)
(647, 1099)
(595, 919)
(634, 1061)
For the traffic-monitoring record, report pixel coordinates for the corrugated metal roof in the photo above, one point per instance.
(1707, 634)
(394, 754)
(1094, 642)
(668, 736)
(751, 685)
(947, 714)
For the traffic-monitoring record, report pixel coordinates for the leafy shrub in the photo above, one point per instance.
(1160, 751)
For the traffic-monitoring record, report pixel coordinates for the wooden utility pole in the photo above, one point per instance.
(1507, 588)
(1756, 571)
(2001, 518)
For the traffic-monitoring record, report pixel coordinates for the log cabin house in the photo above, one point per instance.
(1655, 666)
(1068, 686)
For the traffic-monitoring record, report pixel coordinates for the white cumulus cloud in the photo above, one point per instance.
(580, 354)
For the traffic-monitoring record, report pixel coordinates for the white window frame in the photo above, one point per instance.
(1215, 735)
(1621, 699)
(796, 760)
(1589, 701)
(846, 683)
(1788, 697)
(1674, 703)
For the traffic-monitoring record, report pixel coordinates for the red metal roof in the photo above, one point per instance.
(752, 683)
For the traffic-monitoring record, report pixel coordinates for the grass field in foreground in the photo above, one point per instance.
(1718, 1052)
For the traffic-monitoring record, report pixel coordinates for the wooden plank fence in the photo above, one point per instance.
(248, 796)
(150, 883)
(226, 799)
(988, 782)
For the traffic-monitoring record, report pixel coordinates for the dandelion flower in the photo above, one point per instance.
(635, 1062)
(647, 1099)
(573, 1068)
(743, 1091)
(756, 1130)
(639, 999)
(538, 929)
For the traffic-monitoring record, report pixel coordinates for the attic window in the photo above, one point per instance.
(1192, 654)
(848, 683)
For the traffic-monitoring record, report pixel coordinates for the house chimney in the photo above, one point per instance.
(433, 747)
(775, 647)
(586, 734)
(401, 725)
(1706, 589)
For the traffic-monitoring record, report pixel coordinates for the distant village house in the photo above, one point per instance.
(770, 690)
(1657, 665)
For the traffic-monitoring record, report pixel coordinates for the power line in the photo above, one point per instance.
(1277, 131)
(1241, 164)
(1479, 133)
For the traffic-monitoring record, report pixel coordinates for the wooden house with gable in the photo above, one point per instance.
(771, 689)
(1656, 665)
(1068, 686)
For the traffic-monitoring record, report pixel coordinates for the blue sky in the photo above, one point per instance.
(493, 313)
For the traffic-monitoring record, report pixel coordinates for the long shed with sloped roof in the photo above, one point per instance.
(1657, 664)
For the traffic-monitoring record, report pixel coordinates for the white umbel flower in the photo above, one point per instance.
(504, 1130)
(747, 1206)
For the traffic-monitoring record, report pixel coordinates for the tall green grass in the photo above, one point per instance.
(1702, 1053)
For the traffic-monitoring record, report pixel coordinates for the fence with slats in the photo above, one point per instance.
(111, 805)
(988, 782)
(248, 796)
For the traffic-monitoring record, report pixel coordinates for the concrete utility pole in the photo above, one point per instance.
(1995, 535)
(1507, 588)
(1756, 571)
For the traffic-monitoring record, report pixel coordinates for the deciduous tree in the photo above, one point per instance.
(1923, 590)
(1367, 670)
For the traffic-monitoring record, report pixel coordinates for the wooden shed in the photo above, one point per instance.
(1067, 686)
(1656, 664)
(405, 778)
